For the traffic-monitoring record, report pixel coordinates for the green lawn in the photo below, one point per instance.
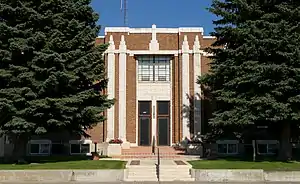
(235, 164)
(82, 164)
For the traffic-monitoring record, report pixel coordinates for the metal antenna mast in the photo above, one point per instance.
(124, 9)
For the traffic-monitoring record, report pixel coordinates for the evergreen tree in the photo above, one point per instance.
(52, 75)
(255, 68)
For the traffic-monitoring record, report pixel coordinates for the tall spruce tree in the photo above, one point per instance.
(255, 68)
(52, 75)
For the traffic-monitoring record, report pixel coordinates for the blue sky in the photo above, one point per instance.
(163, 13)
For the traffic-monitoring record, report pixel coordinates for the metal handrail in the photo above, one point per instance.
(157, 166)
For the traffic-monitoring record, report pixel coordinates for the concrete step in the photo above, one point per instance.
(161, 172)
(164, 167)
(139, 157)
(164, 174)
(132, 173)
(161, 179)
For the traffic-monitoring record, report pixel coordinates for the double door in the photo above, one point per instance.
(154, 120)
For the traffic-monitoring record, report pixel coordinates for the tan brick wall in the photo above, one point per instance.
(116, 129)
(135, 41)
(206, 42)
(99, 41)
(190, 37)
(191, 74)
(138, 41)
(116, 38)
(204, 65)
(176, 101)
(96, 133)
(167, 41)
(131, 99)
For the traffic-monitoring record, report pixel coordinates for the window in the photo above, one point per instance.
(228, 147)
(144, 108)
(267, 149)
(39, 147)
(79, 148)
(163, 108)
(154, 68)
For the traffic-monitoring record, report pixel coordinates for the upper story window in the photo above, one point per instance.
(154, 68)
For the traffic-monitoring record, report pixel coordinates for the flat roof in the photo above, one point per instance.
(157, 30)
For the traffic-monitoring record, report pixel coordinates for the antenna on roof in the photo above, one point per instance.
(124, 10)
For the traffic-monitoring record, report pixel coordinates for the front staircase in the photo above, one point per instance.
(145, 170)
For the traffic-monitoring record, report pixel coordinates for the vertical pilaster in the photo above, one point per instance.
(153, 45)
(111, 88)
(185, 87)
(122, 89)
(197, 89)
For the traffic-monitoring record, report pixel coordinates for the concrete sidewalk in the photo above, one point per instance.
(180, 182)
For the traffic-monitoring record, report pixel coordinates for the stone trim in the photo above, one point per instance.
(158, 30)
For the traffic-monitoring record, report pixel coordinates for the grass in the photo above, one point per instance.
(67, 165)
(236, 164)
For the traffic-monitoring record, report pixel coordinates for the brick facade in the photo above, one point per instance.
(154, 42)
(185, 48)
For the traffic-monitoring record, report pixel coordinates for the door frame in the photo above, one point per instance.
(150, 122)
(169, 122)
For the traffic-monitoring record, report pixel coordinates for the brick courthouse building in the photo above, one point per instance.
(151, 71)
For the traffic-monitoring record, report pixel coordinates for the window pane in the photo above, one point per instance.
(85, 148)
(163, 108)
(222, 148)
(45, 148)
(75, 148)
(272, 148)
(262, 148)
(154, 68)
(162, 68)
(145, 108)
(232, 148)
(145, 68)
(34, 148)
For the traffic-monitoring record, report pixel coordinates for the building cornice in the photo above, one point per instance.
(158, 30)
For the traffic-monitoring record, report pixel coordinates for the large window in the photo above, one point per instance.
(267, 147)
(154, 68)
(39, 147)
(227, 147)
(79, 147)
